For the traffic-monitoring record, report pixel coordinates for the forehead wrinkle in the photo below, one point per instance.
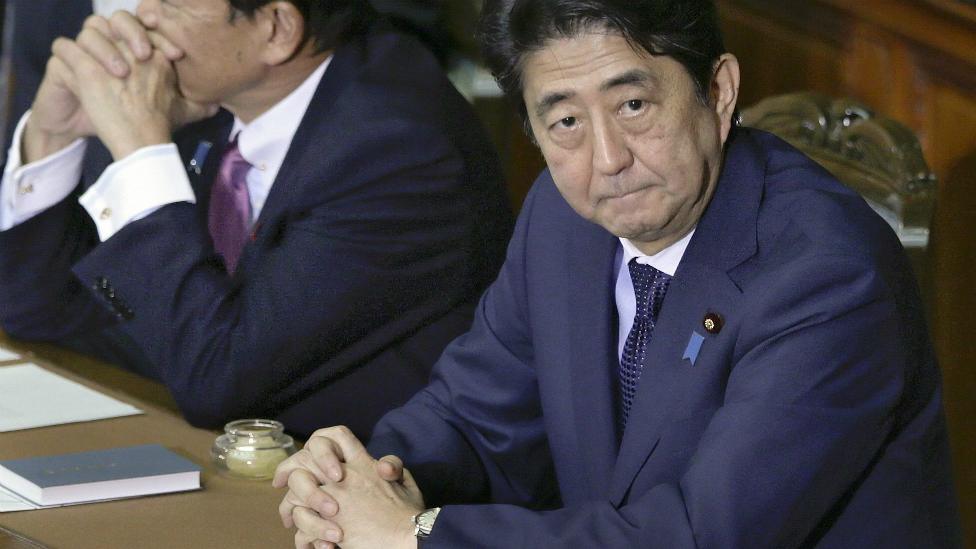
(556, 57)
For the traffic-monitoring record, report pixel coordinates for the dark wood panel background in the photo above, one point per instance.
(915, 62)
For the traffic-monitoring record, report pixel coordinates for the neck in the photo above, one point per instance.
(654, 247)
(275, 84)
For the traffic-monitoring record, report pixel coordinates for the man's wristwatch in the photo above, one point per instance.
(423, 522)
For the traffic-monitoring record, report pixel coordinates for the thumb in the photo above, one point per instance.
(390, 468)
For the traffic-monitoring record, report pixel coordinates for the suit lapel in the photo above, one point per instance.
(724, 238)
(669, 382)
(201, 147)
(311, 143)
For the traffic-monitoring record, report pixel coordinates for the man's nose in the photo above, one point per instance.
(611, 151)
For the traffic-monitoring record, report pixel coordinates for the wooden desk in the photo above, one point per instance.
(226, 513)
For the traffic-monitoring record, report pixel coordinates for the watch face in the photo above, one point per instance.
(425, 521)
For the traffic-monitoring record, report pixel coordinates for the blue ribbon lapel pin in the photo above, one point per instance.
(694, 346)
(199, 157)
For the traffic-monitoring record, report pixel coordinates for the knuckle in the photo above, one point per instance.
(87, 71)
(93, 22)
(317, 444)
(119, 18)
(306, 459)
(59, 44)
(316, 499)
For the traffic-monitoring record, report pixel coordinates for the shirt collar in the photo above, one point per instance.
(265, 141)
(666, 260)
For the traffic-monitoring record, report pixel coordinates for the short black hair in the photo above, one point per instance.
(685, 30)
(328, 23)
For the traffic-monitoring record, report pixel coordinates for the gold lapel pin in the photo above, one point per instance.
(712, 323)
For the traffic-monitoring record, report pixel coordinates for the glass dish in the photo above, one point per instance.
(251, 448)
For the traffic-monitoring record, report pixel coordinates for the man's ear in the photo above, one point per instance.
(725, 91)
(283, 29)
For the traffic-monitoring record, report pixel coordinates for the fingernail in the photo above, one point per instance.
(119, 67)
(330, 508)
(332, 535)
(335, 473)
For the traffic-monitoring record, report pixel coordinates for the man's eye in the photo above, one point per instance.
(635, 104)
(567, 122)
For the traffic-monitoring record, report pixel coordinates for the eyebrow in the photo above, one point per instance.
(635, 77)
(549, 101)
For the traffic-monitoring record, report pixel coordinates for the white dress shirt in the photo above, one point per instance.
(106, 8)
(151, 177)
(666, 261)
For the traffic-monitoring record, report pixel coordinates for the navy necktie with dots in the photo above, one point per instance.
(650, 285)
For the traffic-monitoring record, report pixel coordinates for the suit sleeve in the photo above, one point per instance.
(476, 432)
(40, 297)
(808, 406)
(382, 243)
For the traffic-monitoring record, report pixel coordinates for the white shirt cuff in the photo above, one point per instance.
(26, 191)
(135, 187)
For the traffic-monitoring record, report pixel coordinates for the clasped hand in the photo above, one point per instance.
(338, 494)
(116, 80)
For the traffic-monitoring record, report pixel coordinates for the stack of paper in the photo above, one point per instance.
(7, 354)
(31, 396)
(10, 501)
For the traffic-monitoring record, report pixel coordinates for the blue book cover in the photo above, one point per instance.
(99, 475)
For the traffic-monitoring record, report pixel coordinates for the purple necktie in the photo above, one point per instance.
(230, 207)
(650, 285)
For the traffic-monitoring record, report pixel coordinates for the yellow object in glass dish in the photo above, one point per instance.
(252, 448)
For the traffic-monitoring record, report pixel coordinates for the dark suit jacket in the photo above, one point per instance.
(385, 223)
(812, 419)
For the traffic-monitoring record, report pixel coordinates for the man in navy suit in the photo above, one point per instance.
(699, 338)
(39, 22)
(305, 254)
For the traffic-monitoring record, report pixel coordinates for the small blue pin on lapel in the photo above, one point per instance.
(694, 346)
(199, 157)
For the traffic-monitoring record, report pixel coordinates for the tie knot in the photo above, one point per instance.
(233, 166)
(650, 285)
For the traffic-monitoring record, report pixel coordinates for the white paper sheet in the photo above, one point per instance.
(31, 396)
(10, 501)
(7, 354)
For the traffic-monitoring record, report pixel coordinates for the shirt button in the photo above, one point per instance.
(27, 189)
(106, 213)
